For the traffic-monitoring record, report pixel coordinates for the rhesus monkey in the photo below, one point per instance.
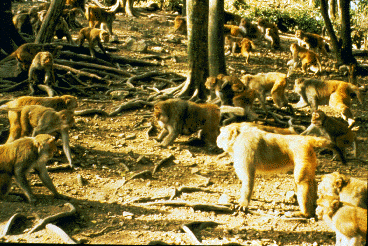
(337, 94)
(18, 157)
(58, 103)
(311, 41)
(61, 29)
(348, 189)
(356, 38)
(37, 119)
(41, 72)
(349, 222)
(272, 36)
(263, 83)
(308, 58)
(246, 46)
(233, 44)
(94, 36)
(180, 25)
(177, 116)
(248, 30)
(96, 16)
(264, 24)
(76, 3)
(22, 23)
(26, 52)
(232, 92)
(336, 130)
(254, 150)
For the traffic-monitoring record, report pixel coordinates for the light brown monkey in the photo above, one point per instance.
(348, 189)
(335, 93)
(263, 83)
(272, 36)
(249, 30)
(357, 38)
(95, 37)
(180, 25)
(263, 24)
(18, 157)
(246, 46)
(232, 92)
(309, 59)
(58, 103)
(26, 52)
(41, 72)
(311, 41)
(349, 222)
(37, 119)
(97, 16)
(336, 130)
(254, 150)
(70, 15)
(232, 44)
(177, 116)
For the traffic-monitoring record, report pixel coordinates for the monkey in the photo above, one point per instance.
(246, 46)
(70, 15)
(263, 83)
(18, 157)
(232, 30)
(231, 91)
(264, 24)
(254, 150)
(22, 23)
(180, 25)
(96, 16)
(76, 3)
(61, 29)
(94, 36)
(348, 189)
(58, 103)
(231, 17)
(233, 44)
(26, 52)
(336, 130)
(44, 120)
(312, 41)
(357, 38)
(41, 70)
(249, 30)
(272, 36)
(335, 93)
(348, 222)
(177, 116)
(308, 58)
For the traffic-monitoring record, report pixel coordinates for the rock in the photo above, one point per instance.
(119, 95)
(130, 136)
(158, 49)
(140, 46)
(290, 197)
(143, 160)
(173, 39)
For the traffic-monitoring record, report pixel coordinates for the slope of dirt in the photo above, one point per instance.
(109, 150)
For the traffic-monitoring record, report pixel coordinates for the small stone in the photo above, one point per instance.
(290, 197)
(130, 136)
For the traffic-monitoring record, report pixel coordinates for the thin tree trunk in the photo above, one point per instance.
(46, 33)
(346, 49)
(197, 25)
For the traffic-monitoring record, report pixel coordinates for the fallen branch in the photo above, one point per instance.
(66, 55)
(79, 72)
(61, 233)
(195, 206)
(40, 225)
(101, 232)
(130, 106)
(187, 189)
(11, 222)
(163, 162)
(90, 112)
(142, 76)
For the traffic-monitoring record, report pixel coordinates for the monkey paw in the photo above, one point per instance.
(241, 208)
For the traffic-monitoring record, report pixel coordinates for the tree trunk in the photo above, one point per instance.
(197, 24)
(216, 56)
(10, 38)
(47, 30)
(332, 7)
(346, 49)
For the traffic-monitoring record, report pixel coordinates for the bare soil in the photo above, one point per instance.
(109, 150)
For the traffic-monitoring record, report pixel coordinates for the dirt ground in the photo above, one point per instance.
(110, 150)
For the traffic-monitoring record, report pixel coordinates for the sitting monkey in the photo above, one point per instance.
(177, 116)
(309, 59)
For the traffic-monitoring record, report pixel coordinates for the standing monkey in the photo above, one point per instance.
(95, 37)
(18, 157)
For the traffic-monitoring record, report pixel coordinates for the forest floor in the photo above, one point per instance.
(110, 150)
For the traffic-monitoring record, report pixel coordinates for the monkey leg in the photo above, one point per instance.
(306, 188)
(173, 133)
(5, 183)
(20, 178)
(45, 178)
(163, 134)
(15, 127)
(66, 146)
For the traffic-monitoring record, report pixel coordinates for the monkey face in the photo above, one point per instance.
(104, 36)
(210, 83)
(318, 117)
(299, 34)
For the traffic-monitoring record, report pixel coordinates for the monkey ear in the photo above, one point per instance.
(335, 204)
(339, 183)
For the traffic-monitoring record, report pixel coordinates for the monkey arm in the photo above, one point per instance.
(66, 146)
(20, 177)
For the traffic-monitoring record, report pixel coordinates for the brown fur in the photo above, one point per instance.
(311, 40)
(349, 222)
(18, 157)
(263, 83)
(95, 37)
(76, 3)
(41, 71)
(309, 59)
(22, 23)
(26, 52)
(336, 130)
(348, 189)
(177, 116)
(254, 150)
(180, 25)
(264, 24)
(337, 94)
(246, 46)
(58, 103)
(248, 29)
(96, 16)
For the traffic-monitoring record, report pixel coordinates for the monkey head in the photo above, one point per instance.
(318, 117)
(299, 34)
(210, 83)
(327, 205)
(67, 118)
(227, 137)
(104, 36)
(46, 145)
(70, 101)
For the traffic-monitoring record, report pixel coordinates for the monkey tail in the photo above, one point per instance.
(327, 143)
(230, 109)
